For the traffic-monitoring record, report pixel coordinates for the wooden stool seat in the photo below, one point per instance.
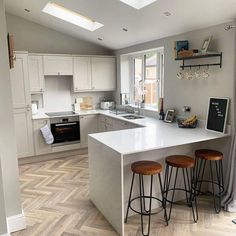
(146, 167)
(209, 155)
(180, 161)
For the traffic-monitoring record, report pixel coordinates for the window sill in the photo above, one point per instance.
(149, 109)
(145, 108)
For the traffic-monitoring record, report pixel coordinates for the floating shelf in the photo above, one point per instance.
(198, 57)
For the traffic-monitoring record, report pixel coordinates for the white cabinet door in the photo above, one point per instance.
(82, 74)
(120, 125)
(39, 144)
(36, 76)
(58, 65)
(88, 125)
(103, 73)
(20, 82)
(24, 133)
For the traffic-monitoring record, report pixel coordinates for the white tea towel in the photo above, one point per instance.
(47, 134)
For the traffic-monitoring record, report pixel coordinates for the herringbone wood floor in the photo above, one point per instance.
(55, 197)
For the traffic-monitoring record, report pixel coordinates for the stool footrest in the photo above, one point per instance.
(145, 213)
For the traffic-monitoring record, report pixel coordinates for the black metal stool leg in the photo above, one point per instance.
(185, 186)
(173, 194)
(163, 199)
(203, 171)
(130, 194)
(213, 188)
(141, 204)
(218, 175)
(192, 198)
(144, 202)
(167, 181)
(222, 176)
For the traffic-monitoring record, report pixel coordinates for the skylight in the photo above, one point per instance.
(71, 16)
(138, 4)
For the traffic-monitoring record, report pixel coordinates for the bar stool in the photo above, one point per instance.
(145, 168)
(185, 163)
(204, 156)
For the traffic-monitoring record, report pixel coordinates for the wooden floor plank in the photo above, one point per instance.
(55, 197)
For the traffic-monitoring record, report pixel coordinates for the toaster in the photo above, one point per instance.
(107, 105)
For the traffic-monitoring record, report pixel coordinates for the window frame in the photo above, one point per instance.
(159, 74)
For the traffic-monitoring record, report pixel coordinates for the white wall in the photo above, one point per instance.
(32, 37)
(9, 164)
(194, 93)
(58, 95)
(3, 223)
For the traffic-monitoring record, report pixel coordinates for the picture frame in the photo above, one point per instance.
(206, 44)
(217, 114)
(10, 41)
(170, 115)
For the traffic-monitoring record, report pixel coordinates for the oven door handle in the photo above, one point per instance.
(66, 124)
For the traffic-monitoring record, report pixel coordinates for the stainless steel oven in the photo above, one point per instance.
(65, 130)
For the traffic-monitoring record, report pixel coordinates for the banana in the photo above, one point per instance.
(190, 121)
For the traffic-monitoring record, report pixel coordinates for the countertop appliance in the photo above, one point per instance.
(65, 130)
(107, 105)
(34, 107)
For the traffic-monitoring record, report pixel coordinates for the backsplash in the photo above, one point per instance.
(58, 95)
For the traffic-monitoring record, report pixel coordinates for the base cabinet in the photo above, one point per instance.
(88, 125)
(39, 144)
(24, 133)
(110, 124)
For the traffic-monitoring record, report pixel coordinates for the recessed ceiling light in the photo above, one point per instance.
(71, 16)
(27, 10)
(166, 13)
(138, 4)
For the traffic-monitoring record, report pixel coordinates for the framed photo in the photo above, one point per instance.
(206, 44)
(170, 115)
(10, 50)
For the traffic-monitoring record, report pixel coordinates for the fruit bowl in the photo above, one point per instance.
(190, 122)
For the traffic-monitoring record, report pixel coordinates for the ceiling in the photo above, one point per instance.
(143, 25)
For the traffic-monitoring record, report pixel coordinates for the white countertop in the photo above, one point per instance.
(155, 135)
(152, 134)
(42, 115)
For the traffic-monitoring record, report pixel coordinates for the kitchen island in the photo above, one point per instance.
(111, 154)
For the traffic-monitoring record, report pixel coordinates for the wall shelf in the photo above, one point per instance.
(183, 59)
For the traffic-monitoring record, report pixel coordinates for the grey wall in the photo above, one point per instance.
(9, 163)
(32, 37)
(194, 93)
(3, 225)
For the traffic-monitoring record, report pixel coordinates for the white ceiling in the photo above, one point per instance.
(143, 25)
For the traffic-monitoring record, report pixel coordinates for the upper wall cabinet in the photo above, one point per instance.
(20, 82)
(103, 73)
(58, 65)
(94, 74)
(36, 76)
(82, 80)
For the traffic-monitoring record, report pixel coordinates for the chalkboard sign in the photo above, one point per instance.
(217, 114)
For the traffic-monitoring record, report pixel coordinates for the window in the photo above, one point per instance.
(147, 77)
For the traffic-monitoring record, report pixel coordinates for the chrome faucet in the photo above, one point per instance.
(138, 107)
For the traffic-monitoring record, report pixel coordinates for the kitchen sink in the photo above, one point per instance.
(133, 117)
